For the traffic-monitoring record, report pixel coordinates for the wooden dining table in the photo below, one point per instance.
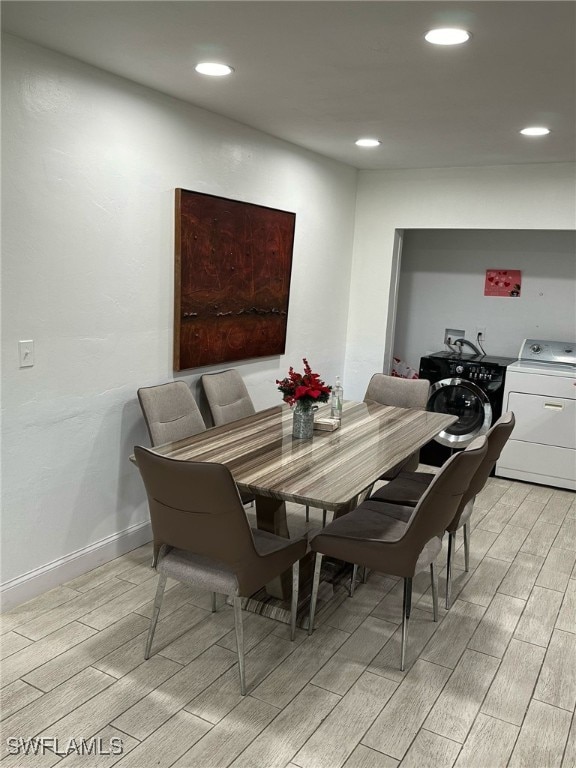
(329, 471)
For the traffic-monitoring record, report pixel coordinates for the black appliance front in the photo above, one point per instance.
(468, 386)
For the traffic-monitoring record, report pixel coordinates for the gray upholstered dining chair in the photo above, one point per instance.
(170, 412)
(374, 537)
(227, 396)
(407, 489)
(202, 537)
(402, 393)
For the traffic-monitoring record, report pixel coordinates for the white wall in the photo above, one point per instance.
(90, 163)
(442, 286)
(504, 197)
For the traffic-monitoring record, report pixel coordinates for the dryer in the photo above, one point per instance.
(468, 386)
(541, 390)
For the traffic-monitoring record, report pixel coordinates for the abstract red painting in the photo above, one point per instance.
(503, 282)
(233, 262)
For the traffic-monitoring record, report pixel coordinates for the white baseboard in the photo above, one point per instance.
(51, 575)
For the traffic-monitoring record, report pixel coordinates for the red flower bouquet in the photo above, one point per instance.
(306, 388)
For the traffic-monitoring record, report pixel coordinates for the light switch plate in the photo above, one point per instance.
(26, 353)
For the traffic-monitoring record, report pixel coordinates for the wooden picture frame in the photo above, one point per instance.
(233, 263)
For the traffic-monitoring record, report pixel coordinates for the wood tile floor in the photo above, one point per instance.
(492, 684)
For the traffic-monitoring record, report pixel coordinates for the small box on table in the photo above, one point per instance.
(326, 424)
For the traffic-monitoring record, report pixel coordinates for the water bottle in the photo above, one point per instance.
(337, 400)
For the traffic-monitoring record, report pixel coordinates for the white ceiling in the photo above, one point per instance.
(322, 73)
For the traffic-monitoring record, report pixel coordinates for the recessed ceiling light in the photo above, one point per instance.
(447, 36)
(213, 69)
(535, 131)
(368, 143)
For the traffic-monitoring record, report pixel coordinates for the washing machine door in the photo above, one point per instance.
(467, 401)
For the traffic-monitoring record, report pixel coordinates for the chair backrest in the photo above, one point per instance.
(227, 396)
(403, 393)
(497, 437)
(196, 506)
(170, 412)
(440, 502)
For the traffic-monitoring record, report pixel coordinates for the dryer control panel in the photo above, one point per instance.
(548, 351)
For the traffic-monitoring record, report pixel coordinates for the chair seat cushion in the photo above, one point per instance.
(266, 543)
(369, 521)
(399, 497)
(395, 511)
(406, 489)
(466, 514)
(369, 536)
(462, 519)
(406, 465)
(202, 572)
(429, 554)
(206, 573)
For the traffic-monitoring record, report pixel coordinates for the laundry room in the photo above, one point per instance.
(442, 282)
(471, 303)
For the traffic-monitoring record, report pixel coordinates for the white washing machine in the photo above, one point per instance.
(541, 390)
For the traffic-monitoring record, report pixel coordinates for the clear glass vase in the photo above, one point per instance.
(303, 420)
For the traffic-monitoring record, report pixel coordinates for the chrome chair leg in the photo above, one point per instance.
(240, 642)
(451, 542)
(155, 613)
(434, 591)
(213, 606)
(314, 595)
(406, 609)
(324, 518)
(353, 580)
(365, 573)
(294, 606)
(466, 531)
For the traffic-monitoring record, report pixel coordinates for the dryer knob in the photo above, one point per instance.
(459, 369)
(536, 348)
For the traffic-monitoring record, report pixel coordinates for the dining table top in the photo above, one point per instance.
(330, 469)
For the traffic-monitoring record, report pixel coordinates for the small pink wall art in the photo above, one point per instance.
(503, 282)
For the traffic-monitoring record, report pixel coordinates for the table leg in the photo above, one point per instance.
(271, 516)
